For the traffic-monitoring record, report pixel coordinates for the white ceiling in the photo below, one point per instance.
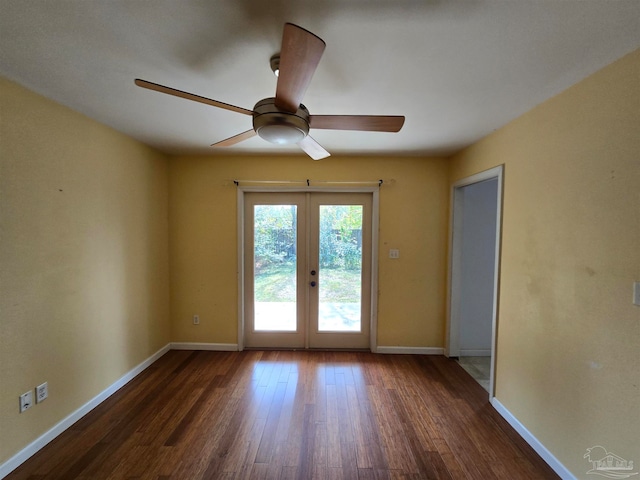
(456, 69)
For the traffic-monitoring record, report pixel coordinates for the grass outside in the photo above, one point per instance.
(277, 284)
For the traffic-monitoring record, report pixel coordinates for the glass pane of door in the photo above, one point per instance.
(275, 259)
(340, 262)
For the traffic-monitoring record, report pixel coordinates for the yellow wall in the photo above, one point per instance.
(569, 337)
(203, 241)
(84, 260)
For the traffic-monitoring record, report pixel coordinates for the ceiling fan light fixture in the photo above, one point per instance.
(281, 134)
(277, 126)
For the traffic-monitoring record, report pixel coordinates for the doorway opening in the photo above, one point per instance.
(473, 274)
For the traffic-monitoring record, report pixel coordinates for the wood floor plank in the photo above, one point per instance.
(291, 414)
(349, 460)
(305, 461)
(268, 440)
(392, 434)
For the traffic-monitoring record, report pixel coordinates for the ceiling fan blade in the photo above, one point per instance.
(313, 148)
(235, 139)
(367, 123)
(190, 96)
(299, 56)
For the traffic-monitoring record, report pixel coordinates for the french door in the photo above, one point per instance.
(307, 270)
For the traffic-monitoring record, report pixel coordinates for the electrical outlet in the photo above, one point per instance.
(26, 401)
(196, 319)
(636, 293)
(42, 392)
(394, 253)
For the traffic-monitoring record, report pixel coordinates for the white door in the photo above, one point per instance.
(307, 259)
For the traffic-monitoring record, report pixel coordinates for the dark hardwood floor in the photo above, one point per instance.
(292, 414)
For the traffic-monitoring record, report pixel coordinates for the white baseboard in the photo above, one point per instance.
(214, 347)
(528, 437)
(411, 350)
(23, 455)
(477, 352)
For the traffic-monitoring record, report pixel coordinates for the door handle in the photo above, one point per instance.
(313, 284)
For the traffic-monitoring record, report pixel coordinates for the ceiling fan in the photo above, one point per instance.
(283, 119)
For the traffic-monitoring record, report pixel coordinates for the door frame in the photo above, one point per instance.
(375, 199)
(452, 345)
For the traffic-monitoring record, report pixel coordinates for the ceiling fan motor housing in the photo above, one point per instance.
(278, 126)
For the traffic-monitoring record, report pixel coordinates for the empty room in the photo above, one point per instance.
(244, 239)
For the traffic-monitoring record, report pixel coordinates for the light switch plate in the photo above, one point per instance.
(394, 253)
(636, 293)
(42, 392)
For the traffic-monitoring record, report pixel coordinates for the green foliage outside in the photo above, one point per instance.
(340, 252)
(341, 236)
(274, 235)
